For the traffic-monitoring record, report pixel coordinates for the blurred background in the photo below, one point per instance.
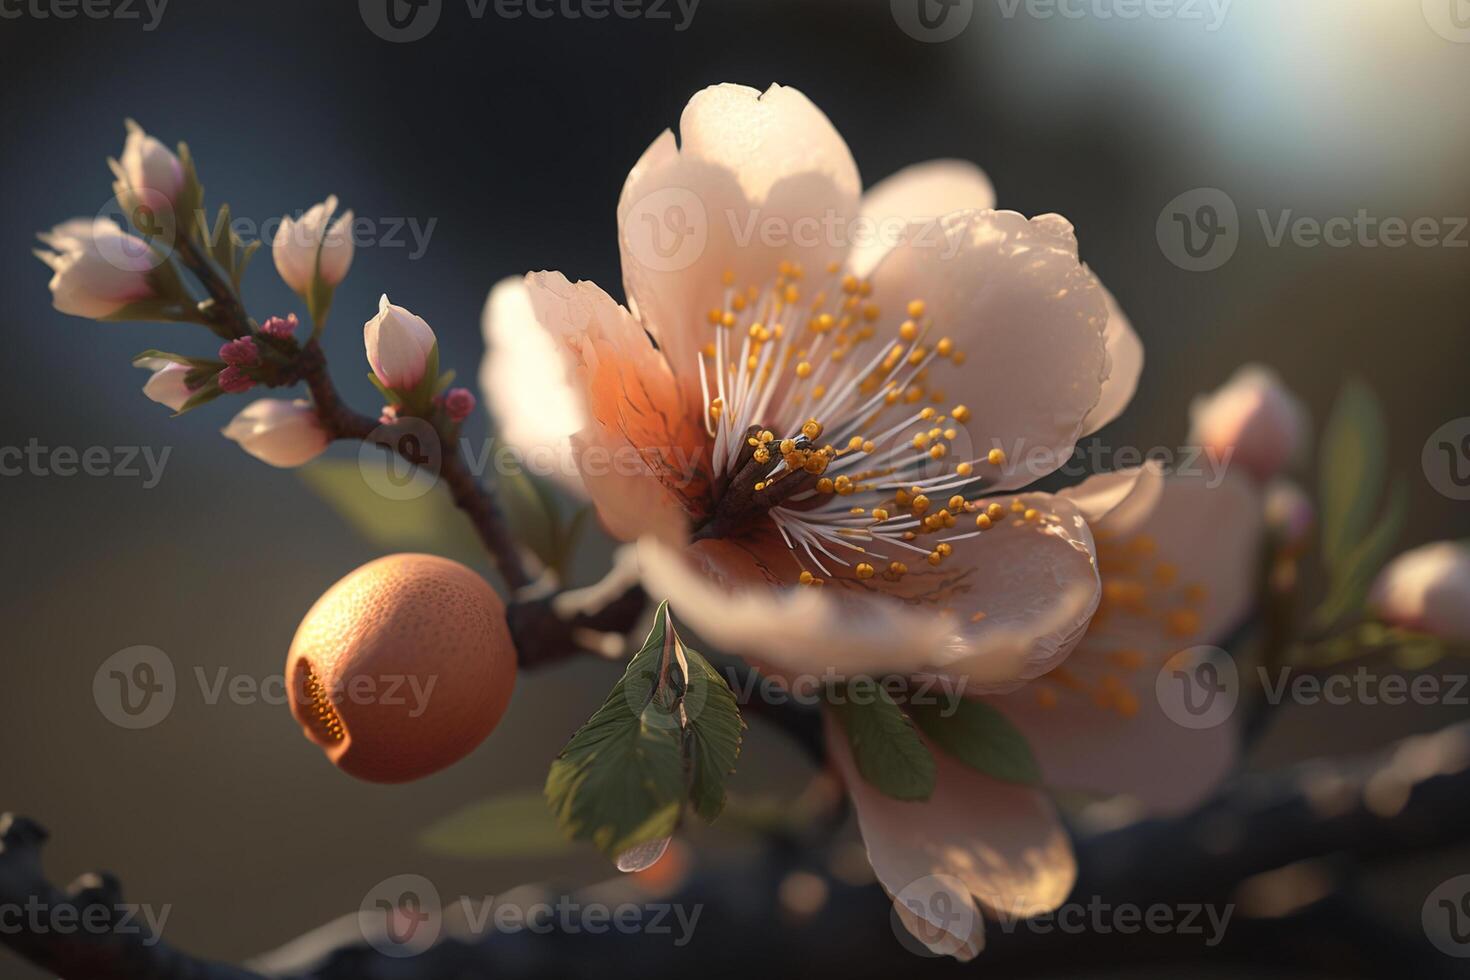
(498, 145)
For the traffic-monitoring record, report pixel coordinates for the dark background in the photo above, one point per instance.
(514, 136)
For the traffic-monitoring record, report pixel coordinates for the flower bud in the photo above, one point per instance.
(459, 403)
(97, 267)
(402, 667)
(1289, 513)
(1253, 421)
(149, 167)
(233, 381)
(166, 386)
(280, 327)
(279, 432)
(240, 352)
(1426, 589)
(398, 346)
(300, 241)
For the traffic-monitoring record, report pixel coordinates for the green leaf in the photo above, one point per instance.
(885, 745)
(247, 252)
(1352, 576)
(512, 826)
(664, 738)
(714, 733)
(221, 242)
(163, 355)
(981, 737)
(1351, 471)
(430, 523)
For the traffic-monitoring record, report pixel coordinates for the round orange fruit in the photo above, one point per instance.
(402, 667)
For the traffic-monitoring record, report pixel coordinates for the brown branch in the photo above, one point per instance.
(1398, 801)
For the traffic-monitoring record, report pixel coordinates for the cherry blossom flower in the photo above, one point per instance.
(814, 413)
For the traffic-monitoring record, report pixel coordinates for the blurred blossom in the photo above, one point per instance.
(1289, 512)
(166, 386)
(279, 432)
(398, 345)
(459, 403)
(1427, 589)
(1252, 420)
(299, 241)
(98, 268)
(149, 166)
(524, 383)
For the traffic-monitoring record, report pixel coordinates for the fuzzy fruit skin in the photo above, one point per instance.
(419, 660)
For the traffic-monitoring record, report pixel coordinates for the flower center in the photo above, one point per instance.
(827, 420)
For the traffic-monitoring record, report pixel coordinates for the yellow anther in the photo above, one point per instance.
(849, 284)
(921, 440)
(871, 312)
(869, 445)
(788, 446)
(825, 485)
(902, 497)
(996, 457)
(822, 322)
(879, 514)
(957, 502)
(804, 369)
(996, 511)
(728, 277)
(945, 347)
(1032, 514)
(983, 522)
(944, 548)
(917, 355)
(1165, 573)
(727, 320)
(959, 358)
(1183, 622)
(864, 570)
(855, 443)
(908, 330)
(934, 558)
(921, 504)
(811, 428)
(939, 451)
(897, 569)
(964, 469)
(961, 413)
(1017, 507)
(916, 308)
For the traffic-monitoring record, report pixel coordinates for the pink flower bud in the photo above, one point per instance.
(1253, 421)
(166, 386)
(233, 381)
(149, 167)
(459, 403)
(279, 432)
(300, 241)
(240, 353)
(98, 268)
(398, 346)
(1426, 589)
(280, 327)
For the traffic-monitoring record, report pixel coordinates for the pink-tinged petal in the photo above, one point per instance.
(1121, 501)
(1007, 605)
(1002, 840)
(1427, 588)
(1125, 364)
(939, 912)
(760, 178)
(726, 589)
(1029, 320)
(1254, 421)
(1080, 746)
(916, 195)
(1181, 577)
(524, 380)
(643, 460)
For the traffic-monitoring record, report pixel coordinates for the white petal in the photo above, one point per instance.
(1125, 364)
(917, 194)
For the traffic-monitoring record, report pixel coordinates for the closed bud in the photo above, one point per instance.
(300, 242)
(398, 346)
(167, 384)
(1253, 421)
(279, 432)
(148, 167)
(97, 268)
(1428, 590)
